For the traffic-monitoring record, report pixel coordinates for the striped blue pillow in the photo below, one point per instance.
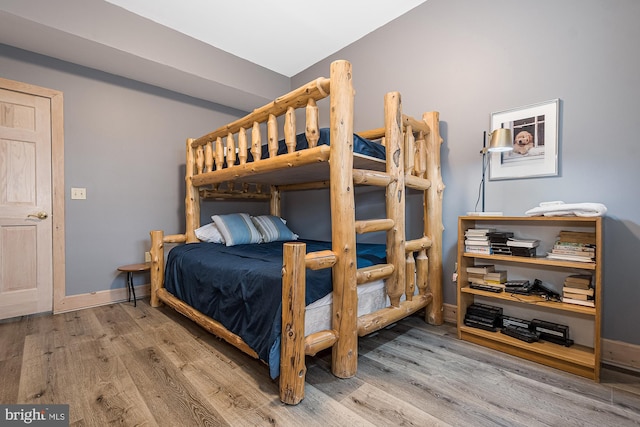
(237, 229)
(273, 228)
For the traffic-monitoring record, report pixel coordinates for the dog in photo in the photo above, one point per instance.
(523, 142)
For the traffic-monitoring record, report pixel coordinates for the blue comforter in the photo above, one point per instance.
(241, 287)
(360, 146)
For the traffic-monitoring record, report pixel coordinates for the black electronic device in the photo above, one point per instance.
(544, 289)
(499, 236)
(552, 332)
(515, 322)
(525, 289)
(485, 287)
(483, 316)
(520, 333)
(516, 283)
(480, 322)
(484, 310)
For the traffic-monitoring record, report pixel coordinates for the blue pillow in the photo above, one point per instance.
(273, 228)
(237, 229)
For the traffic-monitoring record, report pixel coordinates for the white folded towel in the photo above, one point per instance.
(567, 209)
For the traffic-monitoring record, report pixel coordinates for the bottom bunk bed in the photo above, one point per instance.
(243, 294)
(240, 287)
(261, 297)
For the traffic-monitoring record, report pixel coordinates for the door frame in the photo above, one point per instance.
(57, 182)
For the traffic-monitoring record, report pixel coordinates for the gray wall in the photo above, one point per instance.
(124, 142)
(474, 57)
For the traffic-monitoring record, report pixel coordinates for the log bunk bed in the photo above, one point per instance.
(224, 164)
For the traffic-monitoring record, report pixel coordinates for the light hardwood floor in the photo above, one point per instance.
(126, 365)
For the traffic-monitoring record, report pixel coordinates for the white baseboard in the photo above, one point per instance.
(94, 299)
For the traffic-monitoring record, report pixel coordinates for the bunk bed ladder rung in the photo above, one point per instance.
(370, 177)
(374, 272)
(373, 225)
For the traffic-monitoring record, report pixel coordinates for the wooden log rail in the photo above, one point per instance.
(407, 121)
(216, 194)
(231, 144)
(315, 90)
(382, 318)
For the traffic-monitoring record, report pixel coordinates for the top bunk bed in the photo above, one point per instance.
(246, 159)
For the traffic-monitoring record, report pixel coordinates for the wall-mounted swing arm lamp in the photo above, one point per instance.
(501, 140)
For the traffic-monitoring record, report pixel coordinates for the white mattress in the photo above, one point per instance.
(371, 297)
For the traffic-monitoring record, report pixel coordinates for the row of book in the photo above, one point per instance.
(574, 246)
(570, 245)
(490, 241)
(577, 288)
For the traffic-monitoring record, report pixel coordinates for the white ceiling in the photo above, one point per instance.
(286, 36)
(238, 53)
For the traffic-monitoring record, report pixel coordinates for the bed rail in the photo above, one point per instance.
(304, 95)
(230, 145)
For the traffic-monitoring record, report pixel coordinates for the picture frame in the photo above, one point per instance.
(535, 137)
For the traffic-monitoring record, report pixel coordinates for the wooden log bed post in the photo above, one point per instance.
(157, 266)
(275, 205)
(192, 197)
(433, 226)
(345, 351)
(395, 196)
(292, 349)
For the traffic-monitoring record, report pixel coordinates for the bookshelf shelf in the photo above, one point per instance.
(532, 299)
(577, 359)
(536, 261)
(581, 359)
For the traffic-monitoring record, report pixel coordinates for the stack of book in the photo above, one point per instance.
(496, 278)
(498, 242)
(523, 247)
(476, 240)
(486, 278)
(574, 246)
(475, 274)
(578, 290)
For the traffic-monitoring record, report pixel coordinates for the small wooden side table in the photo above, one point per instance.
(130, 269)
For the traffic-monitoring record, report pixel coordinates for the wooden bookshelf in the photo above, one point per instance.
(578, 359)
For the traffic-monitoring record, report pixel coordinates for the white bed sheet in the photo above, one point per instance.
(371, 297)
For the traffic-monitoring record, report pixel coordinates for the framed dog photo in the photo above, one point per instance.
(535, 142)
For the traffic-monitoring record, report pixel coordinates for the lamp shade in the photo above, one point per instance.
(501, 140)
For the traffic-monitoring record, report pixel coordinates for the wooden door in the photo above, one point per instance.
(26, 266)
